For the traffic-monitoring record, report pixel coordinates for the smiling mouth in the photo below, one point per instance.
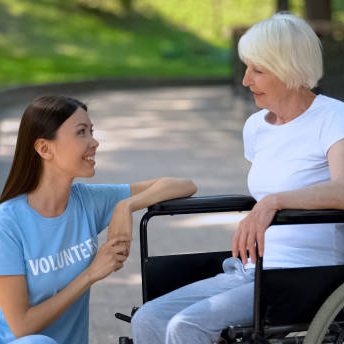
(90, 158)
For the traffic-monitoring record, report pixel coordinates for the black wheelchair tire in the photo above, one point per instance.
(324, 317)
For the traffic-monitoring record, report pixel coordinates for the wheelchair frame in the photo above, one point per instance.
(272, 316)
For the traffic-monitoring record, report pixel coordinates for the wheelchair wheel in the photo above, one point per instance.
(322, 322)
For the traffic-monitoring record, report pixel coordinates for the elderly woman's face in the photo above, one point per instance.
(266, 88)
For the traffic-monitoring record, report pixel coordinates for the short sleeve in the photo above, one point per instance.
(332, 129)
(11, 249)
(101, 199)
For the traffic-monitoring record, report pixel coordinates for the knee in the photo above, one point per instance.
(136, 319)
(178, 326)
(182, 329)
(147, 325)
(146, 314)
(139, 317)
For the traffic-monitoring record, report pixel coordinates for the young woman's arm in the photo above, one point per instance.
(145, 194)
(327, 195)
(24, 319)
(149, 192)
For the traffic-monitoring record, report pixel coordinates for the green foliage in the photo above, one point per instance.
(51, 41)
(338, 10)
(60, 40)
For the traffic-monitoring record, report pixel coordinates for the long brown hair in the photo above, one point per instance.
(41, 119)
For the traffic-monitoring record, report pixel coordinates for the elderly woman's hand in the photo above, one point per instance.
(252, 228)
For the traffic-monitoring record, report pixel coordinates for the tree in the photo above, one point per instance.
(127, 5)
(314, 9)
(318, 9)
(282, 5)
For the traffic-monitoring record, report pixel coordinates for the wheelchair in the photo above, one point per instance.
(291, 305)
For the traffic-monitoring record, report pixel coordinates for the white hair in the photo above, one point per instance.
(287, 46)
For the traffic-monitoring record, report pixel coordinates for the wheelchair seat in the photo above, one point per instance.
(161, 271)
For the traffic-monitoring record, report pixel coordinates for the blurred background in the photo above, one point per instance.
(50, 41)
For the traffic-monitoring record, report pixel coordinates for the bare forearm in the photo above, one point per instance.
(327, 195)
(144, 195)
(38, 317)
(163, 189)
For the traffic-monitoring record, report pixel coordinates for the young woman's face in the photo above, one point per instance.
(74, 147)
(266, 88)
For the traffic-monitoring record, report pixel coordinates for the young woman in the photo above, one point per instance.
(49, 226)
(296, 146)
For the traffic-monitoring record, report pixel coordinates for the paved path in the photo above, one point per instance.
(192, 132)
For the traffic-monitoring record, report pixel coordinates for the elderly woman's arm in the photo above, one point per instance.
(327, 195)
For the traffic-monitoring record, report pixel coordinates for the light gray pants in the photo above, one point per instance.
(34, 339)
(198, 312)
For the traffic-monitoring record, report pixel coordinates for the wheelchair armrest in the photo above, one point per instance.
(223, 203)
(297, 216)
(204, 204)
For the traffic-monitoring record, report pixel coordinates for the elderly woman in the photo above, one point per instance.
(296, 147)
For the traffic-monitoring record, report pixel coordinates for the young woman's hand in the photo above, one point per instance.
(110, 257)
(121, 224)
(252, 229)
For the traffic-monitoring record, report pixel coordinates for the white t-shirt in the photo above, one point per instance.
(289, 157)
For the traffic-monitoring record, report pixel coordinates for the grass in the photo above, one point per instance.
(42, 42)
(45, 41)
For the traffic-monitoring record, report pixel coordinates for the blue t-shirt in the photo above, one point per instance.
(51, 252)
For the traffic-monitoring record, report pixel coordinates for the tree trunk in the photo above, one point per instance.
(127, 5)
(318, 9)
(282, 5)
